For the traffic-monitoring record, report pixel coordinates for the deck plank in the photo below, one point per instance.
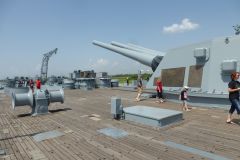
(202, 128)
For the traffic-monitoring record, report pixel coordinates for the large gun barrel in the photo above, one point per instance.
(147, 50)
(144, 58)
(140, 57)
(137, 48)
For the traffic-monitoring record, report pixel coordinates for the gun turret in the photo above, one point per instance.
(142, 57)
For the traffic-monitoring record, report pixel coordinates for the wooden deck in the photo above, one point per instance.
(85, 112)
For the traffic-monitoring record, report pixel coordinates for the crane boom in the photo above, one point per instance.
(44, 67)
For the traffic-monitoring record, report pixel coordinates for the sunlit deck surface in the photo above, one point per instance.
(202, 131)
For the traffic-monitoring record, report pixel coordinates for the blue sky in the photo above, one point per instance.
(30, 28)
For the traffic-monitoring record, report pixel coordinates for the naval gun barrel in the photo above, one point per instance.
(147, 50)
(144, 58)
(137, 48)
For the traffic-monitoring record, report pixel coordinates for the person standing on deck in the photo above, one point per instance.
(159, 91)
(233, 89)
(139, 88)
(38, 83)
(31, 85)
(184, 97)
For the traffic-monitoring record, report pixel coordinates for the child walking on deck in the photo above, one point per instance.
(184, 97)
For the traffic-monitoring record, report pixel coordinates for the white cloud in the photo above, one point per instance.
(98, 64)
(102, 62)
(186, 25)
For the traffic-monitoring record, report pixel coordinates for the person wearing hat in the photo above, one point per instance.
(184, 97)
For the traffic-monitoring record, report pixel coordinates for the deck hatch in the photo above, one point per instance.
(47, 135)
(113, 132)
(156, 117)
(2, 152)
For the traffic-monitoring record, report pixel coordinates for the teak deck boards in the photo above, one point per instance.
(202, 128)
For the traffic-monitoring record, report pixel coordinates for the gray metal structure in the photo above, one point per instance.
(114, 82)
(147, 50)
(103, 82)
(68, 84)
(217, 59)
(116, 107)
(44, 68)
(86, 83)
(138, 49)
(38, 101)
(142, 57)
(155, 117)
(205, 67)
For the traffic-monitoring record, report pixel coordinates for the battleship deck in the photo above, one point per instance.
(203, 134)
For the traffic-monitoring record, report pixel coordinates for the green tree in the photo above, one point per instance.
(237, 29)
